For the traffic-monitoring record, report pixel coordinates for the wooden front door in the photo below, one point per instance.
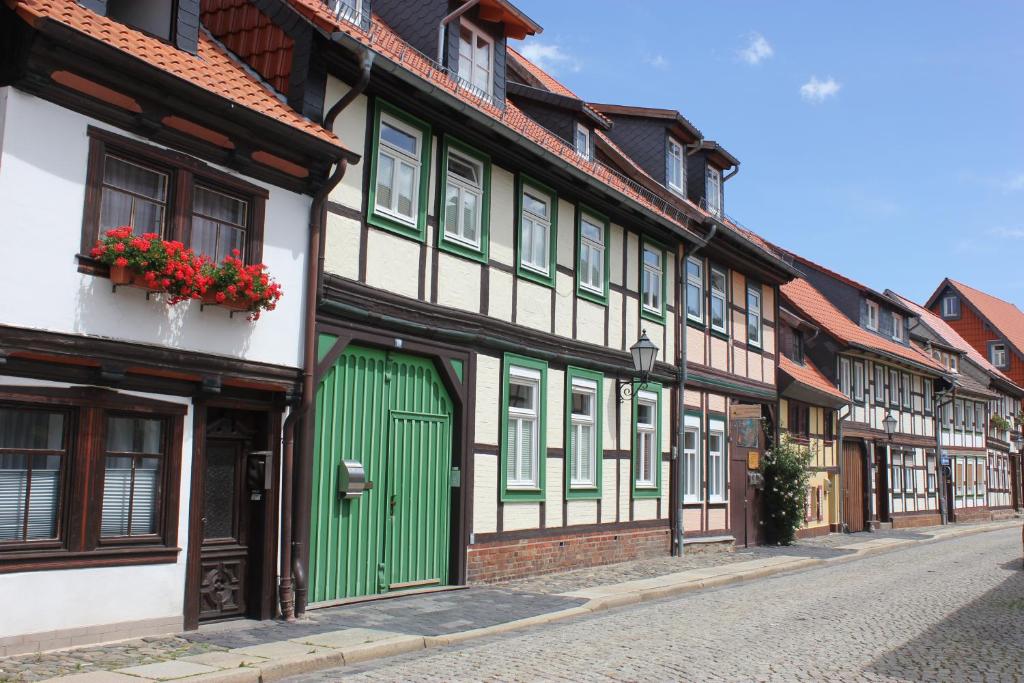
(853, 486)
(746, 447)
(882, 484)
(224, 552)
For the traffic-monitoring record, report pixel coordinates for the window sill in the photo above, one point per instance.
(413, 231)
(26, 561)
(593, 296)
(696, 324)
(467, 251)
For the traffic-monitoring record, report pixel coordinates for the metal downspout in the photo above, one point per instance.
(294, 508)
(447, 20)
(678, 532)
(940, 474)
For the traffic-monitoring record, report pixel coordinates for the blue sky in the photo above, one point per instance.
(884, 140)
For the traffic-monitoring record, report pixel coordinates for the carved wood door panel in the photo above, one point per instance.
(224, 552)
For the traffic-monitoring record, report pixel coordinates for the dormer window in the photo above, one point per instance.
(476, 58)
(950, 306)
(675, 168)
(349, 10)
(582, 141)
(897, 327)
(953, 363)
(871, 322)
(714, 190)
(155, 17)
(997, 354)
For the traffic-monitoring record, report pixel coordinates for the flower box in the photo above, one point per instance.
(210, 299)
(121, 275)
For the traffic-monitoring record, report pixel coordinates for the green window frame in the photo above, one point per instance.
(646, 312)
(450, 243)
(523, 270)
(517, 369)
(416, 229)
(643, 490)
(583, 290)
(575, 375)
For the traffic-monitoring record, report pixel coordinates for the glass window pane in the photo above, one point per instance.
(44, 499)
(219, 206)
(406, 180)
(134, 178)
(134, 435)
(592, 232)
(31, 429)
(652, 257)
(540, 246)
(398, 138)
(463, 169)
(117, 488)
(520, 396)
(204, 237)
(115, 209)
(582, 403)
(645, 414)
(451, 210)
(534, 205)
(469, 216)
(385, 181)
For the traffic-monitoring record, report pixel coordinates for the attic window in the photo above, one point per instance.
(714, 191)
(950, 306)
(155, 17)
(582, 141)
(871, 322)
(675, 168)
(476, 58)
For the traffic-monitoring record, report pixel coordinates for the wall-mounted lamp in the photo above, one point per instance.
(644, 353)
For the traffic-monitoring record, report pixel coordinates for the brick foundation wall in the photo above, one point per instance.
(911, 521)
(514, 559)
(813, 531)
(973, 514)
(1002, 513)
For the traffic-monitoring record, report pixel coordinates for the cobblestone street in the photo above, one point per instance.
(944, 611)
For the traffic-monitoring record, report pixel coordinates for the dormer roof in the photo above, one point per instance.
(537, 82)
(681, 126)
(517, 24)
(1003, 316)
(718, 155)
(868, 292)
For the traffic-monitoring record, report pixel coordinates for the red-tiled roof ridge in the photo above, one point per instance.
(950, 336)
(1003, 315)
(212, 68)
(552, 84)
(810, 376)
(814, 305)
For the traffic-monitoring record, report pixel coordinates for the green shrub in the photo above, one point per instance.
(785, 490)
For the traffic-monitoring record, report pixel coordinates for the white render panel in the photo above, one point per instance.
(458, 282)
(608, 490)
(503, 218)
(695, 341)
(350, 127)
(392, 263)
(633, 262)
(590, 322)
(719, 353)
(666, 475)
(645, 508)
(554, 486)
(625, 492)
(74, 598)
(582, 512)
(485, 493)
(611, 400)
(566, 237)
(533, 305)
(555, 407)
(633, 321)
(488, 393)
(500, 294)
(768, 375)
(615, 304)
(341, 255)
(564, 294)
(518, 516)
(42, 192)
(615, 254)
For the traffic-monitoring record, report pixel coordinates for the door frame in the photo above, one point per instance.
(266, 605)
(463, 397)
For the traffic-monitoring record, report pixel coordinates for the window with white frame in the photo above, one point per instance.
(523, 428)
(979, 418)
(908, 399)
(646, 440)
(959, 416)
(961, 485)
(954, 362)
(591, 254)
(858, 382)
(909, 474)
(716, 460)
(950, 306)
(675, 167)
(695, 289)
(928, 396)
(931, 474)
(398, 169)
(714, 190)
(872, 316)
(535, 233)
(719, 285)
(897, 327)
(997, 353)
(464, 199)
(582, 141)
(476, 57)
(845, 378)
(583, 438)
(754, 316)
(894, 388)
(653, 280)
(897, 472)
(693, 465)
(879, 384)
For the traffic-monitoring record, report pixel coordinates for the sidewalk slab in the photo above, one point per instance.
(169, 670)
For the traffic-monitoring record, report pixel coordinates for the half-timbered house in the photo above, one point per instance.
(979, 479)
(138, 441)
(888, 472)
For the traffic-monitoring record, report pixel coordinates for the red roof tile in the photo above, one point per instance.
(212, 69)
(1003, 315)
(810, 376)
(251, 35)
(549, 83)
(951, 337)
(813, 305)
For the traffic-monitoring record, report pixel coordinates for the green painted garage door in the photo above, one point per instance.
(391, 412)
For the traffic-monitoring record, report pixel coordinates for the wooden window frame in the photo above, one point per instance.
(584, 491)
(955, 312)
(449, 243)
(579, 130)
(894, 388)
(184, 173)
(713, 420)
(525, 270)
(671, 145)
(81, 504)
(798, 419)
(647, 312)
(693, 425)
(872, 306)
(644, 395)
(723, 295)
(698, 281)
(415, 229)
(879, 392)
(586, 290)
(518, 493)
(756, 290)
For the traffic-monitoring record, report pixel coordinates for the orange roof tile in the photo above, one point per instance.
(1004, 316)
(212, 69)
(951, 336)
(813, 304)
(549, 83)
(250, 34)
(810, 376)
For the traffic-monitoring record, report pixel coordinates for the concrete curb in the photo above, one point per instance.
(328, 658)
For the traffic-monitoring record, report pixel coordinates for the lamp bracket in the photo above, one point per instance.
(628, 389)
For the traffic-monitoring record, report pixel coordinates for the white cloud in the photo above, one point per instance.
(758, 50)
(1008, 233)
(549, 57)
(818, 91)
(1015, 184)
(657, 61)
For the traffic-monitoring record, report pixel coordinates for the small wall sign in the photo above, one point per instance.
(753, 460)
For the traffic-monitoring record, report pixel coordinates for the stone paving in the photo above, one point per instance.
(951, 611)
